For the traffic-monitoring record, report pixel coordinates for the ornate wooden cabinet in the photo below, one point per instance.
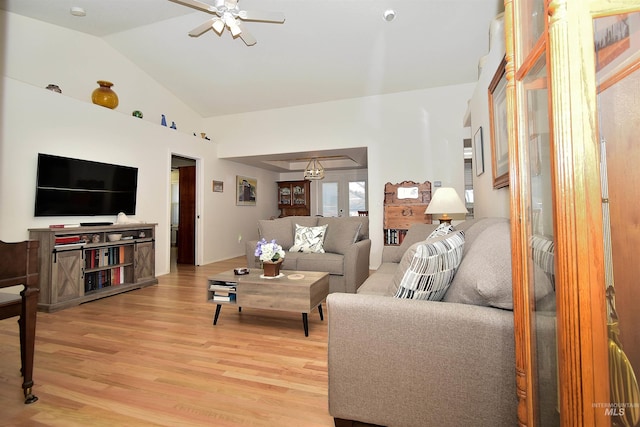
(571, 67)
(294, 198)
(404, 205)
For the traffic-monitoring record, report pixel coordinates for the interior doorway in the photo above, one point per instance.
(183, 210)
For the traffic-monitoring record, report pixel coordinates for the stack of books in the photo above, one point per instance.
(223, 291)
(68, 241)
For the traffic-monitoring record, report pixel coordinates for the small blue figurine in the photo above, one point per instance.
(173, 125)
(163, 122)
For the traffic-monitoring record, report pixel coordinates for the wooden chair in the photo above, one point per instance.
(19, 266)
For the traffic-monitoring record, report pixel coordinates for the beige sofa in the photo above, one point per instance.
(404, 362)
(346, 244)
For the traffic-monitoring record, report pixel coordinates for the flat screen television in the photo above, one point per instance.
(74, 187)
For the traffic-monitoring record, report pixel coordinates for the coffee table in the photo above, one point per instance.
(297, 291)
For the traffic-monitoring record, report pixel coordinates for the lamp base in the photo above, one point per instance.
(445, 219)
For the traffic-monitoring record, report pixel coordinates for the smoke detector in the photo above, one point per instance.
(77, 11)
(389, 15)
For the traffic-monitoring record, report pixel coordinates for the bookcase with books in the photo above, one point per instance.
(83, 263)
(404, 205)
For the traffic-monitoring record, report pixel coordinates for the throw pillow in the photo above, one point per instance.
(341, 234)
(428, 267)
(542, 251)
(441, 230)
(485, 276)
(309, 239)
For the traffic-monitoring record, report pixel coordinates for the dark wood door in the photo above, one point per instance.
(187, 216)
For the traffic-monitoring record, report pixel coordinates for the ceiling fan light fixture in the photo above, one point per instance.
(218, 26)
(314, 170)
(227, 13)
(230, 21)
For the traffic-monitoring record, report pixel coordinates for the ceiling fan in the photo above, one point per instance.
(228, 14)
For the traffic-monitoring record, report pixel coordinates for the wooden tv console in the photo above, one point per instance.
(73, 273)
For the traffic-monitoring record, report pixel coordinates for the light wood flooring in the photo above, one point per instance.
(151, 357)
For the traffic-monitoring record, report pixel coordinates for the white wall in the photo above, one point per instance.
(415, 135)
(39, 53)
(36, 120)
(487, 201)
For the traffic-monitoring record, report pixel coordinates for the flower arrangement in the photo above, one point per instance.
(269, 251)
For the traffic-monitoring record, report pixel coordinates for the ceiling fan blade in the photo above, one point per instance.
(198, 5)
(261, 15)
(200, 29)
(246, 37)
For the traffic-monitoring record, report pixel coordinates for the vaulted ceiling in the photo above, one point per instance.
(325, 50)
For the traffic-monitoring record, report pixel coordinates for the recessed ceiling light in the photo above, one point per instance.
(389, 15)
(78, 11)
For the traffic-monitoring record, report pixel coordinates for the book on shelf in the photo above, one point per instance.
(69, 245)
(227, 298)
(222, 288)
(63, 240)
(115, 276)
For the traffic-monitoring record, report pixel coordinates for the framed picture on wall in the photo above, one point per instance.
(246, 191)
(499, 130)
(218, 186)
(478, 149)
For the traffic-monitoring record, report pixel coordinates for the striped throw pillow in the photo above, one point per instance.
(428, 267)
(443, 229)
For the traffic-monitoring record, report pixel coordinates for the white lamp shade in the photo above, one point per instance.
(446, 201)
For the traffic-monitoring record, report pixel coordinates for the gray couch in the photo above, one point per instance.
(403, 362)
(346, 244)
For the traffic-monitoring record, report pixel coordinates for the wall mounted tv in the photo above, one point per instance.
(67, 187)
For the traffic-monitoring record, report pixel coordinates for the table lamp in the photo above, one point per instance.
(446, 201)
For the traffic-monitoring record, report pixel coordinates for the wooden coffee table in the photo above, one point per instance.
(291, 292)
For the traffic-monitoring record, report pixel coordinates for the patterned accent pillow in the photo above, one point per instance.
(432, 265)
(309, 239)
(443, 229)
(542, 251)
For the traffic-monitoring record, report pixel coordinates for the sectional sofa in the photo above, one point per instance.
(406, 362)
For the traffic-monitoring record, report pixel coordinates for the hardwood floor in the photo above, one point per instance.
(151, 357)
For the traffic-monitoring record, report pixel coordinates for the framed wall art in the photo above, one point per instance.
(246, 191)
(499, 130)
(478, 149)
(218, 186)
